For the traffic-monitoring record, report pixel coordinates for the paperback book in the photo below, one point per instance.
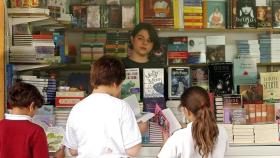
(178, 81)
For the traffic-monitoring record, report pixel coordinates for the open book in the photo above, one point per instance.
(134, 104)
(166, 120)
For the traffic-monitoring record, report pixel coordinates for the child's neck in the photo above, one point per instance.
(104, 89)
(20, 111)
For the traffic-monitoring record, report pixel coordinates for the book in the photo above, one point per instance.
(128, 16)
(232, 104)
(215, 49)
(270, 82)
(178, 81)
(166, 120)
(220, 78)
(55, 138)
(216, 13)
(93, 17)
(245, 71)
(251, 94)
(134, 105)
(199, 77)
(115, 16)
(245, 14)
(153, 82)
(131, 84)
(264, 14)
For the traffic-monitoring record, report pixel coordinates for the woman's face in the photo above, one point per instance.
(142, 44)
(246, 9)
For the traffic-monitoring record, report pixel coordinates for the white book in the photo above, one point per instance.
(134, 105)
(173, 122)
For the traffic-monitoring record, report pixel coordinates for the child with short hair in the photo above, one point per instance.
(202, 138)
(19, 137)
(103, 125)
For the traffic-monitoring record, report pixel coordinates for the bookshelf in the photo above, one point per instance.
(2, 61)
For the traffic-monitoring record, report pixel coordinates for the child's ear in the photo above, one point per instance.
(32, 106)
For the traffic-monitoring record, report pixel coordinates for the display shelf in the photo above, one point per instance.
(47, 67)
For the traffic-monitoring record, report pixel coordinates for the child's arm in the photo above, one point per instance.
(73, 152)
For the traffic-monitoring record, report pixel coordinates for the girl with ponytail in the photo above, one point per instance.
(202, 138)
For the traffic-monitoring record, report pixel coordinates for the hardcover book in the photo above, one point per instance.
(220, 78)
(200, 77)
(178, 81)
(131, 84)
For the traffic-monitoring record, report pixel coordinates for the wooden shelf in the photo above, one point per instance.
(208, 30)
(269, 64)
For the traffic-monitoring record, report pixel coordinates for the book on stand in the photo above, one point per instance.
(178, 81)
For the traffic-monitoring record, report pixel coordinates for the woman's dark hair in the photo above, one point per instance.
(204, 128)
(106, 71)
(23, 94)
(152, 33)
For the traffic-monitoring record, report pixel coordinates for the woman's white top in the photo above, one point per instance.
(181, 145)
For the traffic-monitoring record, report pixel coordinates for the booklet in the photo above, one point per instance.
(134, 105)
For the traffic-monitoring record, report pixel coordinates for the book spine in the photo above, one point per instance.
(270, 111)
(252, 113)
(137, 11)
(176, 14)
(258, 113)
(67, 101)
(264, 114)
(246, 107)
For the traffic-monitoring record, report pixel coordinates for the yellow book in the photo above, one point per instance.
(193, 24)
(193, 17)
(176, 14)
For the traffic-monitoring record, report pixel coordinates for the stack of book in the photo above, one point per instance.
(248, 49)
(243, 134)
(266, 133)
(193, 14)
(61, 116)
(228, 128)
(269, 47)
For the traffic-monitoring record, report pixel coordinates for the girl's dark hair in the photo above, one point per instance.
(106, 71)
(152, 33)
(204, 128)
(23, 94)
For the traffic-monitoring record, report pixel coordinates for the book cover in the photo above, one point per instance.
(251, 94)
(128, 16)
(178, 81)
(199, 77)
(131, 84)
(104, 16)
(160, 55)
(196, 50)
(79, 18)
(232, 102)
(220, 78)
(216, 13)
(93, 17)
(264, 16)
(215, 49)
(246, 14)
(166, 120)
(112, 2)
(115, 16)
(245, 71)
(276, 13)
(157, 12)
(270, 82)
(150, 104)
(153, 83)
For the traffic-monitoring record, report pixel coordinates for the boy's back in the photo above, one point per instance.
(20, 138)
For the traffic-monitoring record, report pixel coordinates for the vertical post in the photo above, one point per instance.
(2, 60)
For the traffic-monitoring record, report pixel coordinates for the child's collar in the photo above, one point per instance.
(17, 117)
